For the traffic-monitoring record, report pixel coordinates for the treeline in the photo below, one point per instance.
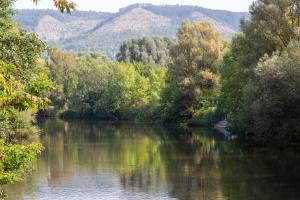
(91, 87)
(253, 79)
(155, 80)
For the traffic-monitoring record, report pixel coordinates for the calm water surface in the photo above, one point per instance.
(91, 160)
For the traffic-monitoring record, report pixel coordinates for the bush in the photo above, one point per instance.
(16, 160)
(272, 113)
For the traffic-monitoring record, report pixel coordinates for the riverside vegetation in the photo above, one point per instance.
(196, 79)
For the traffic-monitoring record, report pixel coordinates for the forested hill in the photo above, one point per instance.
(99, 31)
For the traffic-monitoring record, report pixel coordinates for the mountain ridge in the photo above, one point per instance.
(103, 31)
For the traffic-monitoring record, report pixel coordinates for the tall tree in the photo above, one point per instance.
(193, 65)
(273, 24)
(258, 88)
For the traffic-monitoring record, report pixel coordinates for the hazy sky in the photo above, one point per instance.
(114, 5)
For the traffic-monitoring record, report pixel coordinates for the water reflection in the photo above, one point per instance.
(86, 160)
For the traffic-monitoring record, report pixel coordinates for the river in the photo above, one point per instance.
(96, 160)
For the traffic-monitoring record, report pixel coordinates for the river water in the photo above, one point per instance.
(93, 160)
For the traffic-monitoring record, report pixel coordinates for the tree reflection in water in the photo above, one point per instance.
(150, 162)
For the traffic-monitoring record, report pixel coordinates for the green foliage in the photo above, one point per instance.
(24, 85)
(272, 26)
(22, 78)
(102, 89)
(92, 74)
(16, 160)
(146, 50)
(271, 113)
(126, 91)
(233, 78)
(16, 44)
(23, 96)
(62, 70)
(193, 67)
(208, 115)
(89, 86)
(17, 127)
(259, 75)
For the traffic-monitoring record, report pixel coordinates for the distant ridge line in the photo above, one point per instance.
(98, 31)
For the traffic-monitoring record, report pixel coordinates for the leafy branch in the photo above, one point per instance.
(63, 5)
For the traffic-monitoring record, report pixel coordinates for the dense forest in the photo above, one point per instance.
(195, 79)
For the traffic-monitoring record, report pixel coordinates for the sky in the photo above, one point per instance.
(114, 5)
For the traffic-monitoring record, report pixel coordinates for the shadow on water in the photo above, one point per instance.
(92, 160)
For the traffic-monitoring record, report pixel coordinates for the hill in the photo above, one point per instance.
(99, 31)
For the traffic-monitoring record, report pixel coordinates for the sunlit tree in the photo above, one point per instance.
(193, 65)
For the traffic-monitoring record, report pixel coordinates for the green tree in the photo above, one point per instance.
(232, 81)
(273, 24)
(271, 112)
(24, 85)
(92, 72)
(90, 86)
(126, 92)
(193, 69)
(62, 71)
(146, 50)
